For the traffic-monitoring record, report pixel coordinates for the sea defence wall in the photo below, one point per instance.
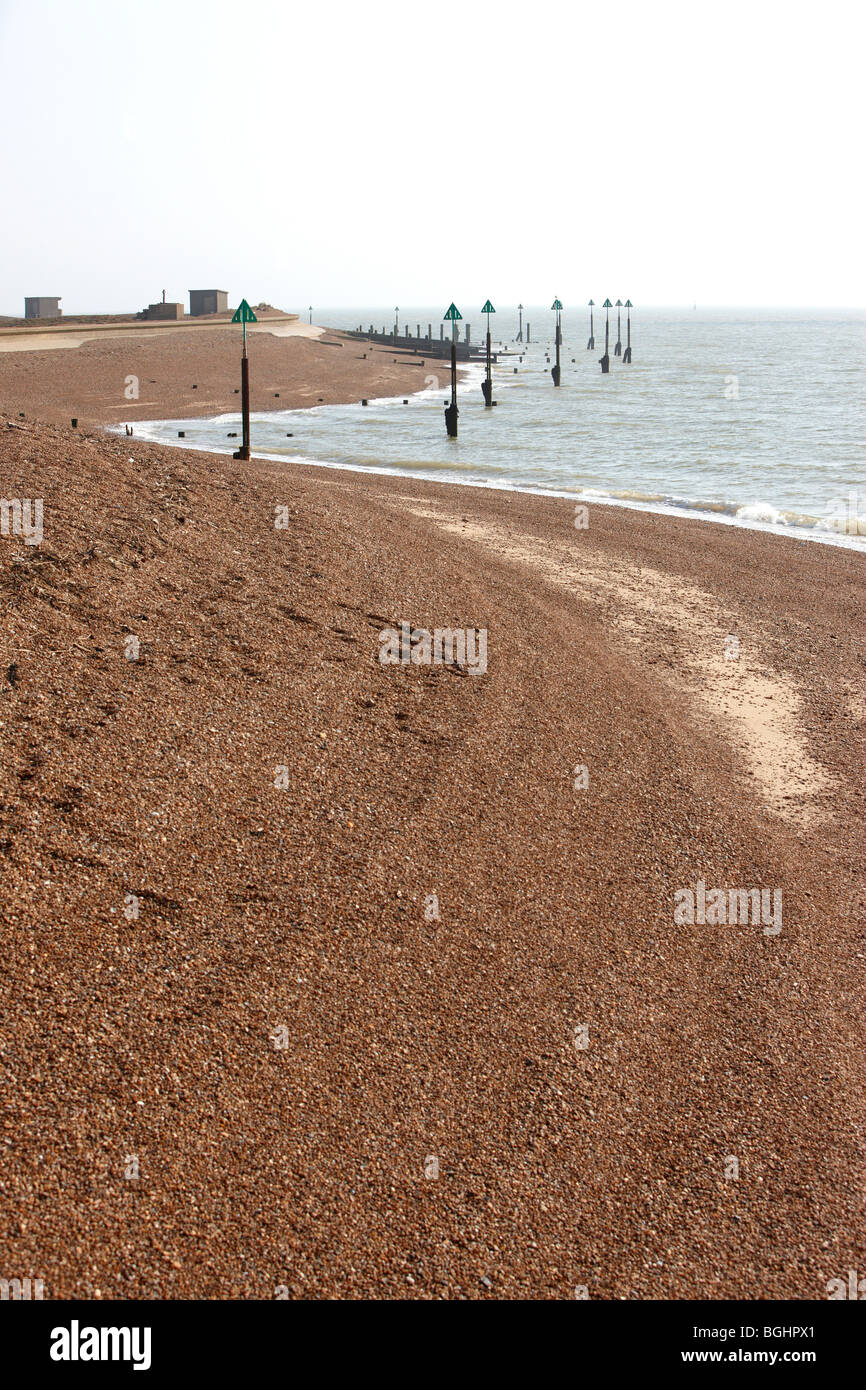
(425, 345)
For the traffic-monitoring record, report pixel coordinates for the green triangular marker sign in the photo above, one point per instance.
(628, 304)
(556, 305)
(607, 304)
(488, 308)
(453, 313)
(619, 303)
(244, 314)
(592, 304)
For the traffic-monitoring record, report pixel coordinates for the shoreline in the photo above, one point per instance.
(712, 516)
(188, 375)
(713, 512)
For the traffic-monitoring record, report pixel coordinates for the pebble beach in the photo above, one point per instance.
(329, 978)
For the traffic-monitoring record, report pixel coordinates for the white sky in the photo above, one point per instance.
(386, 152)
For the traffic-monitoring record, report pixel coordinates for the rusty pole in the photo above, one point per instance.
(245, 405)
(605, 361)
(487, 383)
(555, 371)
(626, 357)
(451, 411)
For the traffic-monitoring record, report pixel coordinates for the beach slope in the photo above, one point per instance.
(364, 980)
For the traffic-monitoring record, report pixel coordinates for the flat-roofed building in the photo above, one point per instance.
(42, 306)
(208, 302)
(164, 311)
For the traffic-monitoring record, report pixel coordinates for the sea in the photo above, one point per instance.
(745, 417)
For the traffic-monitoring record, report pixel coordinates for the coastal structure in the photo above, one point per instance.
(208, 302)
(422, 344)
(42, 306)
(164, 311)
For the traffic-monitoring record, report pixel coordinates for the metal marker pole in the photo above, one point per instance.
(452, 428)
(244, 315)
(487, 384)
(605, 361)
(245, 399)
(555, 371)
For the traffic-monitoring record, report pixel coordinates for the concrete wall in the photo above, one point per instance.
(164, 311)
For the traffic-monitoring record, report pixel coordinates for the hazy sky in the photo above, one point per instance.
(399, 153)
